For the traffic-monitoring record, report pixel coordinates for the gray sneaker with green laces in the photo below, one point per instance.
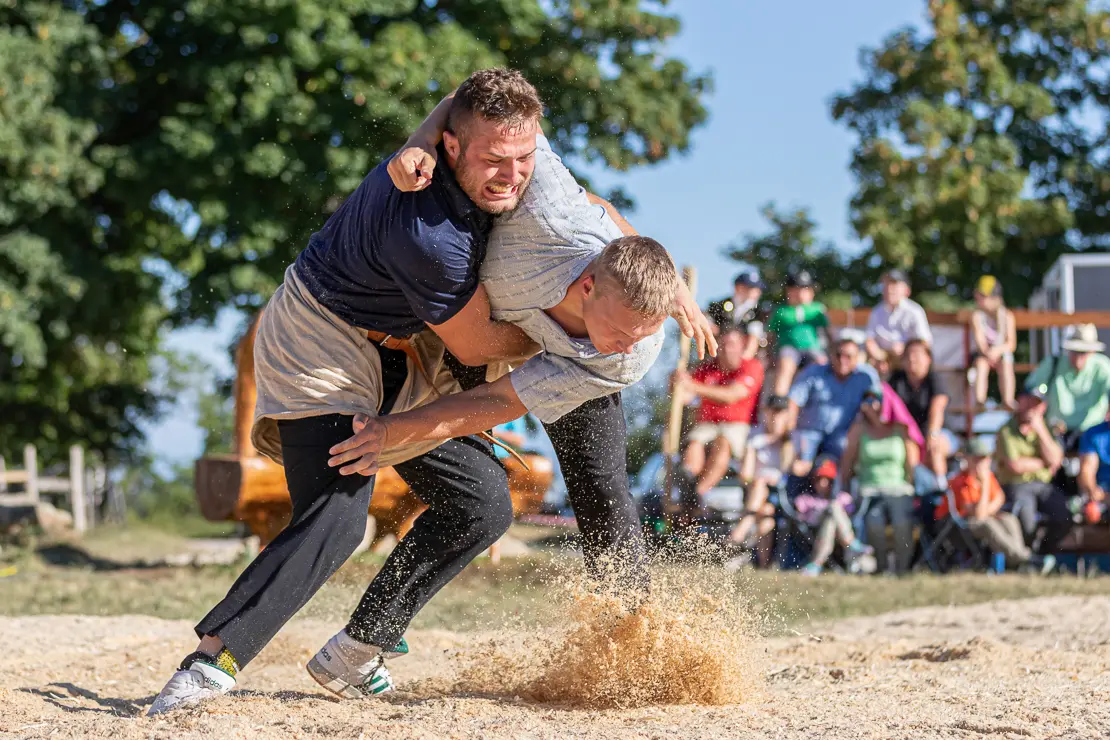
(352, 669)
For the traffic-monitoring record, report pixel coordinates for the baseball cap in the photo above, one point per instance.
(799, 279)
(988, 285)
(827, 469)
(750, 279)
(896, 276)
(977, 447)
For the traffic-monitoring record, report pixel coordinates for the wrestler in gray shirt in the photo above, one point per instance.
(534, 255)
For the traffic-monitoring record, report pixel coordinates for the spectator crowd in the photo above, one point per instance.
(841, 444)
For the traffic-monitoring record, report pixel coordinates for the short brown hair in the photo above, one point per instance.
(500, 96)
(642, 270)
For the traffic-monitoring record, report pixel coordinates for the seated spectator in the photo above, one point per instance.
(742, 307)
(1027, 456)
(829, 514)
(729, 388)
(926, 398)
(881, 457)
(797, 329)
(978, 497)
(1094, 470)
(825, 400)
(995, 336)
(769, 454)
(1075, 385)
(895, 322)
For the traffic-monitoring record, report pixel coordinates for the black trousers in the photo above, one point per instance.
(1026, 500)
(591, 444)
(462, 482)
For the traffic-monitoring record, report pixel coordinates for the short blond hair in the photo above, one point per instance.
(640, 268)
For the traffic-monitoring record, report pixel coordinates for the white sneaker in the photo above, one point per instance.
(353, 669)
(196, 683)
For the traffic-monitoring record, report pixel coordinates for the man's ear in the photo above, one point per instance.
(453, 147)
(589, 285)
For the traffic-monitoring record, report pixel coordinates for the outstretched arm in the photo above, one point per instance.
(452, 416)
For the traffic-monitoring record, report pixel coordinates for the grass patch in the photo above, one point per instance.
(484, 596)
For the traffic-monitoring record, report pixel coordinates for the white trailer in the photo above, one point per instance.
(1075, 283)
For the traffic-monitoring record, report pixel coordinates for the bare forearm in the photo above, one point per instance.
(458, 415)
(719, 394)
(430, 132)
(1050, 451)
(936, 413)
(618, 219)
(874, 350)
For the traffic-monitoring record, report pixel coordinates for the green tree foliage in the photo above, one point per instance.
(79, 316)
(983, 142)
(165, 158)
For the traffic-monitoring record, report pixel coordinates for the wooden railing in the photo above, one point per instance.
(34, 485)
(1023, 321)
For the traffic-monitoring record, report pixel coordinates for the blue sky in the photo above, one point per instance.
(775, 66)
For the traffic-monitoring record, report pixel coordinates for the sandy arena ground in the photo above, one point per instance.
(1036, 668)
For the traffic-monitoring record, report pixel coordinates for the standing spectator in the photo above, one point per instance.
(729, 388)
(825, 400)
(924, 395)
(797, 327)
(742, 307)
(894, 322)
(882, 459)
(978, 497)
(1094, 467)
(995, 336)
(1027, 457)
(1075, 385)
(827, 511)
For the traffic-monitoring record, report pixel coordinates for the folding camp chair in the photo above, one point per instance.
(947, 544)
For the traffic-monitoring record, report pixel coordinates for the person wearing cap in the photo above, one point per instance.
(978, 497)
(894, 322)
(825, 399)
(797, 328)
(729, 388)
(742, 307)
(1094, 464)
(769, 453)
(1075, 384)
(827, 510)
(1027, 456)
(882, 458)
(995, 336)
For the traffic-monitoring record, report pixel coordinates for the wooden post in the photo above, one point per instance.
(971, 403)
(77, 488)
(672, 434)
(31, 465)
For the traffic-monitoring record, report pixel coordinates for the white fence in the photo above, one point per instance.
(32, 485)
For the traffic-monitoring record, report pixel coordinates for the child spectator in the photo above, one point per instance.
(978, 497)
(829, 514)
(924, 395)
(797, 328)
(1027, 457)
(729, 388)
(995, 336)
(882, 458)
(769, 454)
(895, 322)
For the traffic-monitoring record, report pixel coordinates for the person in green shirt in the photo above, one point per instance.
(1075, 385)
(796, 328)
(1027, 456)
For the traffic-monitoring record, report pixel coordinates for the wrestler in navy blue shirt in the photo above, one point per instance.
(391, 261)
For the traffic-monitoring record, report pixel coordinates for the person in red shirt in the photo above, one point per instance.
(999, 530)
(729, 388)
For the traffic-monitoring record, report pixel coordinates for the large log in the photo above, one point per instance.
(247, 487)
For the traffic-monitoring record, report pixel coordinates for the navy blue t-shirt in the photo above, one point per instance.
(392, 261)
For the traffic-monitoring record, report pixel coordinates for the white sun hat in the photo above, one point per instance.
(1083, 338)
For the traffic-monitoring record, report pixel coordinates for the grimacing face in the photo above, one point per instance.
(496, 163)
(613, 327)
